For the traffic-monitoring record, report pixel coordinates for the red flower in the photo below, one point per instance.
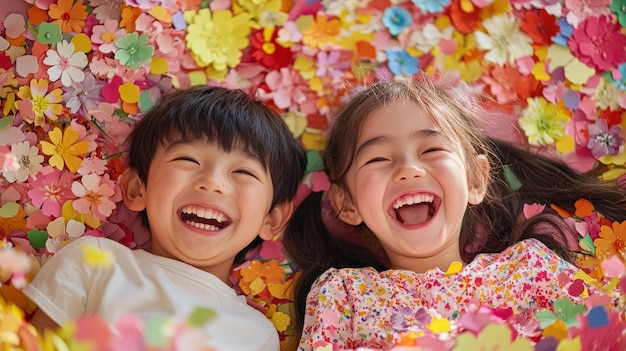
(268, 52)
(540, 26)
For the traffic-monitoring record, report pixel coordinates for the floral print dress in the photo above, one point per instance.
(356, 307)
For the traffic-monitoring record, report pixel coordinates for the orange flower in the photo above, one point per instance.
(321, 34)
(68, 15)
(612, 241)
(13, 223)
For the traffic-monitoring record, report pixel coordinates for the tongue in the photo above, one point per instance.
(413, 214)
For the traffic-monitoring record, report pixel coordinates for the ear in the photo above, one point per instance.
(343, 206)
(276, 220)
(133, 191)
(478, 185)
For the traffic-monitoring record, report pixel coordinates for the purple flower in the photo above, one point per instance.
(406, 319)
(84, 96)
(604, 140)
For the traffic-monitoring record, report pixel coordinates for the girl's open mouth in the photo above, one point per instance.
(414, 209)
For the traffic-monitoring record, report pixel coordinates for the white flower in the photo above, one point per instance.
(428, 37)
(66, 64)
(29, 162)
(505, 41)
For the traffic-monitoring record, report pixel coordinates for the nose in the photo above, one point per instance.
(210, 182)
(409, 170)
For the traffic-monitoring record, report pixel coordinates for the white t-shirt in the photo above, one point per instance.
(146, 285)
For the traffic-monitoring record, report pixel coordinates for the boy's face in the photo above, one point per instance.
(205, 205)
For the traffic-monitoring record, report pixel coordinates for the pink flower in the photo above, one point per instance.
(599, 43)
(288, 88)
(50, 190)
(93, 197)
(104, 36)
(579, 10)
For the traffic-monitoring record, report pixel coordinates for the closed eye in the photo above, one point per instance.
(186, 158)
(376, 159)
(246, 172)
(433, 149)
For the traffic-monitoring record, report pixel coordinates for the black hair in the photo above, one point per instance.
(230, 118)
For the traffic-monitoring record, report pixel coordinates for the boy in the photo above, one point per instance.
(211, 169)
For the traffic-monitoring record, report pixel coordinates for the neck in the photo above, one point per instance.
(440, 260)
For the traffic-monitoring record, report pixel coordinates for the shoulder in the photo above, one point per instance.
(347, 279)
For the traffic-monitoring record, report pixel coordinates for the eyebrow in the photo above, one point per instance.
(419, 134)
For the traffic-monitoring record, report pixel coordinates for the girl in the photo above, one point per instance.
(408, 161)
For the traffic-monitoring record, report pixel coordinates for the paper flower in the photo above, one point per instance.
(64, 148)
(217, 38)
(133, 50)
(29, 162)
(402, 63)
(599, 43)
(68, 15)
(431, 6)
(396, 19)
(50, 190)
(504, 41)
(93, 197)
(66, 64)
(612, 241)
(494, 337)
(604, 140)
(105, 35)
(543, 123)
(37, 102)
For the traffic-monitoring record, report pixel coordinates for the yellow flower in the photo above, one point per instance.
(267, 13)
(543, 122)
(41, 103)
(217, 38)
(64, 149)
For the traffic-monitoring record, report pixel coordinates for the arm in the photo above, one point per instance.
(41, 321)
(328, 319)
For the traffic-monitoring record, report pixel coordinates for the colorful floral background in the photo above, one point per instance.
(76, 75)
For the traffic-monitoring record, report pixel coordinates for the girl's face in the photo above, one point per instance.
(408, 183)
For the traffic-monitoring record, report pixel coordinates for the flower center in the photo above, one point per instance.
(132, 50)
(93, 198)
(39, 104)
(53, 193)
(24, 161)
(66, 16)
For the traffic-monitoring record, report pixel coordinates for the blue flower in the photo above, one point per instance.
(396, 19)
(401, 63)
(431, 6)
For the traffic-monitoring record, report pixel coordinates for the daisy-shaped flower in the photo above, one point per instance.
(50, 190)
(322, 34)
(217, 38)
(267, 51)
(540, 26)
(604, 140)
(612, 241)
(396, 19)
(543, 122)
(504, 41)
(40, 102)
(133, 50)
(64, 148)
(15, 219)
(105, 35)
(66, 64)
(266, 13)
(68, 15)
(29, 162)
(599, 43)
(84, 96)
(93, 197)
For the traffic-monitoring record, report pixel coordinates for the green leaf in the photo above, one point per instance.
(201, 316)
(313, 161)
(546, 318)
(6, 121)
(9, 210)
(37, 238)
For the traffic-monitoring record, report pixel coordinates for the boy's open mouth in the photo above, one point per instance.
(204, 218)
(414, 209)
